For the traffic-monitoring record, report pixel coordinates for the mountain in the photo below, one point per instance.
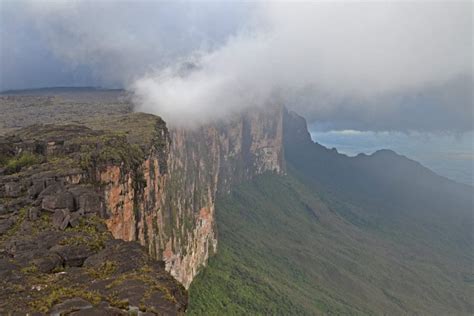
(59, 190)
(376, 234)
(172, 212)
(248, 213)
(141, 181)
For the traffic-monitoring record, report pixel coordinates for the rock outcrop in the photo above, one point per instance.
(171, 211)
(207, 161)
(56, 254)
(68, 192)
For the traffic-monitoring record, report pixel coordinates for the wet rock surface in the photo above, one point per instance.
(56, 255)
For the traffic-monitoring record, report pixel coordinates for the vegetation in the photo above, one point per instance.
(94, 233)
(16, 163)
(58, 293)
(153, 283)
(29, 269)
(104, 271)
(287, 248)
(16, 226)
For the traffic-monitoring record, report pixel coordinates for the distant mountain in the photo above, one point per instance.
(377, 234)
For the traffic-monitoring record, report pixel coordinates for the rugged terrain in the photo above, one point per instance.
(57, 254)
(104, 207)
(368, 235)
(139, 180)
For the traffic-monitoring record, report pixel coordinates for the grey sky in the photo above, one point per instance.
(347, 65)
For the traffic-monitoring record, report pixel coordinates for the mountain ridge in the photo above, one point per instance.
(356, 248)
(163, 188)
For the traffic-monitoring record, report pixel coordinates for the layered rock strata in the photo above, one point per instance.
(145, 183)
(56, 254)
(172, 211)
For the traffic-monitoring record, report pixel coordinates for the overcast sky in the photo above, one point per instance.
(369, 66)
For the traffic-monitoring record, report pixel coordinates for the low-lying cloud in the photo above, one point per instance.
(344, 65)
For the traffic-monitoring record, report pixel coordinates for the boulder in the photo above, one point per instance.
(33, 213)
(23, 250)
(73, 255)
(61, 200)
(74, 221)
(12, 189)
(61, 218)
(48, 262)
(51, 187)
(18, 203)
(86, 200)
(90, 203)
(70, 305)
(36, 188)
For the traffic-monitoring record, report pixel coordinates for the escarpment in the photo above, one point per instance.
(170, 207)
(77, 200)
(56, 253)
(207, 161)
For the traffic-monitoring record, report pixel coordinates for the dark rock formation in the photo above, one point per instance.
(171, 209)
(145, 183)
(56, 254)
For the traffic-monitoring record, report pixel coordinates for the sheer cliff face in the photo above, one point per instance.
(167, 204)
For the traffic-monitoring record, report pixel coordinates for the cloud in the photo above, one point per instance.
(344, 65)
(114, 42)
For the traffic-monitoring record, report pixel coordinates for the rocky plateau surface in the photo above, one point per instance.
(101, 173)
(57, 255)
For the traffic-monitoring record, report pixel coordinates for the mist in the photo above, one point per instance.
(396, 66)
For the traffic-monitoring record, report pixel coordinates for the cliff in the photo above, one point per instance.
(71, 193)
(203, 163)
(57, 183)
(172, 212)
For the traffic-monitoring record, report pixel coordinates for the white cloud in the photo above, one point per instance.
(327, 59)
(348, 65)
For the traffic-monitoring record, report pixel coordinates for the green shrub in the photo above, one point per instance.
(26, 159)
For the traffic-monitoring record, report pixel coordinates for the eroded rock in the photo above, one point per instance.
(100, 311)
(87, 200)
(33, 213)
(36, 188)
(60, 200)
(13, 189)
(5, 225)
(73, 255)
(48, 262)
(56, 255)
(61, 218)
(70, 305)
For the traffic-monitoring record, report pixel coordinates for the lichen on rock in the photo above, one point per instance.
(56, 253)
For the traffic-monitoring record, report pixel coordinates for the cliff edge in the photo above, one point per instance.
(57, 252)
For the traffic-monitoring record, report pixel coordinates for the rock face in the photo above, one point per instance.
(56, 254)
(171, 210)
(68, 190)
(204, 162)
